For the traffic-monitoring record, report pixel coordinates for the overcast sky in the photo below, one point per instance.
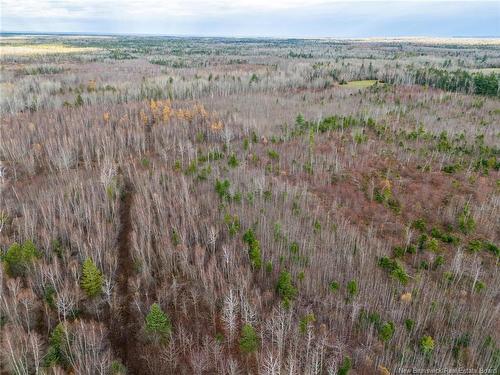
(280, 18)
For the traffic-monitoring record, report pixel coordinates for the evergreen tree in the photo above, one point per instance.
(300, 121)
(19, 257)
(285, 288)
(92, 278)
(253, 248)
(78, 100)
(249, 341)
(55, 353)
(158, 322)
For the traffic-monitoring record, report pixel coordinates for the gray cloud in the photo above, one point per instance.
(256, 17)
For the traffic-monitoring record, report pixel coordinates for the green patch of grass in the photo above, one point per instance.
(360, 84)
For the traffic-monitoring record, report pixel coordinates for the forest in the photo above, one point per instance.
(175, 205)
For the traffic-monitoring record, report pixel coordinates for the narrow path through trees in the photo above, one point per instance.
(122, 330)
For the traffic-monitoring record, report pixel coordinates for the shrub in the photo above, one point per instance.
(411, 249)
(448, 276)
(345, 367)
(301, 276)
(294, 247)
(387, 263)
(479, 286)
(204, 173)
(466, 222)
(92, 278)
(420, 225)
(427, 345)
(233, 224)
(278, 233)
(399, 251)
(219, 337)
(316, 227)
(177, 166)
(18, 258)
(334, 286)
(386, 331)
(285, 288)
(359, 137)
(269, 266)
(273, 155)
(352, 288)
(445, 237)
(385, 197)
(460, 342)
(451, 168)
(249, 236)
(176, 239)
(433, 245)
(57, 248)
(422, 241)
(394, 205)
(395, 269)
(267, 195)
(117, 368)
(477, 245)
(255, 138)
(158, 323)
(200, 137)
(78, 101)
(401, 275)
(236, 197)
(424, 265)
(306, 321)
(439, 261)
(254, 78)
(374, 318)
(491, 247)
(249, 341)
(49, 292)
(308, 168)
(300, 121)
(232, 161)
(192, 168)
(222, 189)
(409, 324)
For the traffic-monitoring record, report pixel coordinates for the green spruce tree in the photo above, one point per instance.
(285, 288)
(158, 323)
(56, 354)
(92, 278)
(249, 341)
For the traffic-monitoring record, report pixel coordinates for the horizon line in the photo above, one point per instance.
(98, 33)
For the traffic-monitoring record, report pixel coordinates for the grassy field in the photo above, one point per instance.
(41, 49)
(360, 84)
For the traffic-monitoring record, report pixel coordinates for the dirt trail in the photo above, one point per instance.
(122, 330)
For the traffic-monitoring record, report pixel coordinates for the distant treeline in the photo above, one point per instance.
(459, 80)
